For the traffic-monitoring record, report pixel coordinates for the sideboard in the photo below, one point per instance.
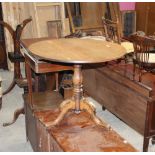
(131, 101)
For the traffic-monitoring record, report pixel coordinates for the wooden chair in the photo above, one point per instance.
(15, 56)
(144, 55)
(113, 33)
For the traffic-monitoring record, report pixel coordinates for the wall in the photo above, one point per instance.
(15, 12)
(124, 6)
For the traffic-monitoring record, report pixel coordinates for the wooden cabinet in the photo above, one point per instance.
(145, 17)
(35, 132)
(42, 138)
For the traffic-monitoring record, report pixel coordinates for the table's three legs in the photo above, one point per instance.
(77, 103)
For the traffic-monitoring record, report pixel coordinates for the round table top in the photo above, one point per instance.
(77, 50)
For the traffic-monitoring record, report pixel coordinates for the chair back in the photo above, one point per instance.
(112, 30)
(143, 46)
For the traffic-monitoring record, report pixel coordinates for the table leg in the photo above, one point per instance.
(16, 115)
(78, 90)
(12, 85)
(29, 79)
(78, 103)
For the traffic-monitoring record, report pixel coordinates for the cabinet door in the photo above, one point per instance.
(145, 17)
(142, 16)
(151, 19)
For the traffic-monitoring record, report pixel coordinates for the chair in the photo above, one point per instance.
(144, 55)
(15, 56)
(113, 33)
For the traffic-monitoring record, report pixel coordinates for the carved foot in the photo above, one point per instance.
(86, 106)
(64, 108)
(16, 115)
(70, 105)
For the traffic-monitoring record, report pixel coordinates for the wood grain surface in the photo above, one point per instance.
(76, 50)
(78, 133)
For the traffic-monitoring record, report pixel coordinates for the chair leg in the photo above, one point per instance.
(125, 70)
(12, 85)
(36, 87)
(29, 79)
(134, 70)
(16, 115)
(140, 75)
(146, 144)
(103, 108)
(0, 103)
(57, 81)
(153, 140)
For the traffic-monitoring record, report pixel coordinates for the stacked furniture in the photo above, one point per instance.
(38, 101)
(113, 33)
(75, 131)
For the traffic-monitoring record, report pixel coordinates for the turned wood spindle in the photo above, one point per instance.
(77, 83)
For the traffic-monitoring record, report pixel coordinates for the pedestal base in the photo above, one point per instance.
(69, 105)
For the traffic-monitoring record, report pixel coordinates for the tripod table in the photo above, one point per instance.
(77, 52)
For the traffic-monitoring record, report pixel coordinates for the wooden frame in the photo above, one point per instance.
(82, 28)
(44, 5)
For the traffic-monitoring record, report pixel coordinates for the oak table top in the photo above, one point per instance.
(76, 50)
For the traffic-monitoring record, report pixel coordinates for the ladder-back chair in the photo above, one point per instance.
(144, 55)
(113, 33)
